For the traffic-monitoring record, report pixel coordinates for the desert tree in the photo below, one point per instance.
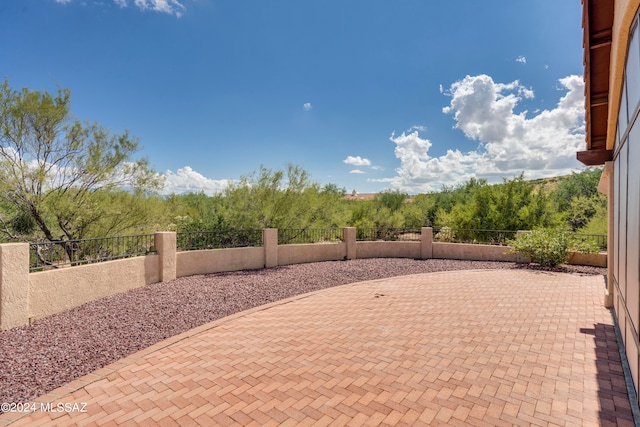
(55, 170)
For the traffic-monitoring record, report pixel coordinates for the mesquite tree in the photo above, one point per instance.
(55, 170)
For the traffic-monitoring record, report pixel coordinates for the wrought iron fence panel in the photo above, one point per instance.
(598, 239)
(218, 239)
(45, 255)
(389, 234)
(461, 235)
(289, 236)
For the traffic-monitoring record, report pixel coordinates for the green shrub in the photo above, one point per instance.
(445, 235)
(584, 245)
(547, 247)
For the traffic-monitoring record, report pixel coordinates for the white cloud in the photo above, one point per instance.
(356, 171)
(187, 180)
(521, 59)
(172, 7)
(509, 143)
(357, 161)
(307, 106)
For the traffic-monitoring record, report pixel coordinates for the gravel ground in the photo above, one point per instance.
(53, 351)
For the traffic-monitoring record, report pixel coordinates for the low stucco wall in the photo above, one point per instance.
(189, 263)
(58, 290)
(298, 254)
(594, 260)
(388, 250)
(473, 252)
(26, 296)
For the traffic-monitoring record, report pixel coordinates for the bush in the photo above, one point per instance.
(547, 247)
(584, 245)
(445, 235)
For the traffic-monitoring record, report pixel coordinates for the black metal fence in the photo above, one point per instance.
(218, 239)
(599, 240)
(45, 255)
(289, 236)
(461, 235)
(500, 237)
(389, 234)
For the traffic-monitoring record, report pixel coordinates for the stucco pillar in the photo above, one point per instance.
(270, 242)
(166, 248)
(14, 285)
(608, 175)
(349, 237)
(426, 243)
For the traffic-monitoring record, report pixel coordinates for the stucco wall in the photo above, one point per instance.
(216, 260)
(58, 290)
(388, 250)
(14, 285)
(25, 296)
(595, 260)
(473, 252)
(625, 13)
(624, 276)
(298, 254)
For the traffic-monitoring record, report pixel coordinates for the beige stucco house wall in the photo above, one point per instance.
(621, 177)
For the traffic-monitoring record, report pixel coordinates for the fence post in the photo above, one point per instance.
(165, 242)
(14, 285)
(270, 242)
(426, 243)
(349, 237)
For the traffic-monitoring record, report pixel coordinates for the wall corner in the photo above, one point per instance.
(166, 247)
(426, 243)
(270, 242)
(349, 238)
(14, 285)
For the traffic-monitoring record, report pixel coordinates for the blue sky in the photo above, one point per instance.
(366, 94)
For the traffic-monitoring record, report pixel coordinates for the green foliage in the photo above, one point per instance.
(23, 223)
(582, 184)
(445, 235)
(392, 200)
(61, 172)
(550, 247)
(547, 247)
(279, 199)
(579, 204)
(196, 212)
(513, 205)
(387, 210)
(371, 214)
(333, 189)
(582, 209)
(598, 223)
(584, 245)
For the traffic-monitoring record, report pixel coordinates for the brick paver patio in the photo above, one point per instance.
(486, 347)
